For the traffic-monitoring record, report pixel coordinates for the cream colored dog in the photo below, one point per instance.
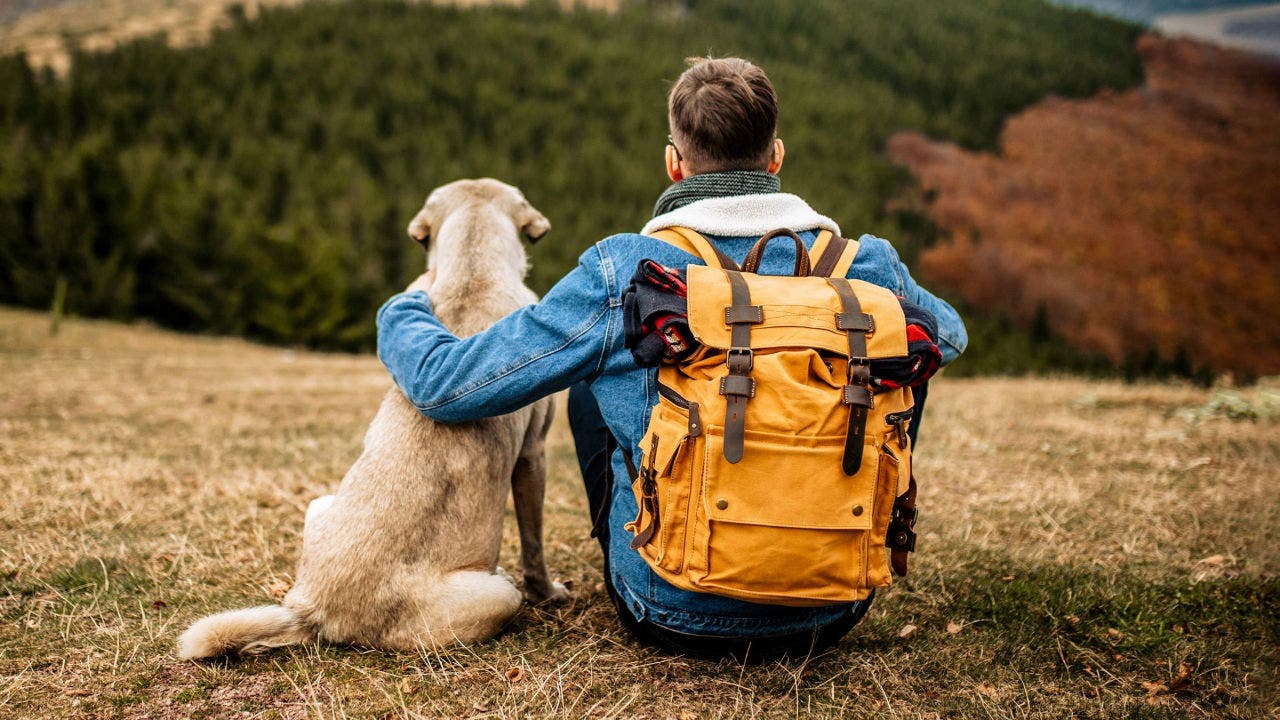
(404, 556)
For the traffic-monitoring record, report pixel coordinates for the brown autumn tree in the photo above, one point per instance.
(1142, 220)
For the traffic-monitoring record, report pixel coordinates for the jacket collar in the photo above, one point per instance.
(744, 216)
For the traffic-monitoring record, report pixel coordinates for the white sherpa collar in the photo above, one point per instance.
(744, 215)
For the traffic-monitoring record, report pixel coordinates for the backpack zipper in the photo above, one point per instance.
(674, 397)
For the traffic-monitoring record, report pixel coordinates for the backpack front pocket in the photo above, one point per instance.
(664, 488)
(797, 531)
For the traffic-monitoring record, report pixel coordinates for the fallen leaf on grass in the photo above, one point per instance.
(954, 628)
(159, 604)
(1007, 578)
(1115, 634)
(687, 715)
(1182, 679)
(908, 631)
(406, 687)
(1179, 681)
(515, 674)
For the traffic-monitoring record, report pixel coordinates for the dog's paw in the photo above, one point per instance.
(502, 573)
(553, 594)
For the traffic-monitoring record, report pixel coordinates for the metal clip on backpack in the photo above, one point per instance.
(770, 471)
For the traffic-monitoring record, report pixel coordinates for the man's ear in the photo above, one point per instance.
(779, 152)
(533, 223)
(674, 170)
(420, 228)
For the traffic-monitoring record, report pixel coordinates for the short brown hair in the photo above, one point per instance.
(724, 115)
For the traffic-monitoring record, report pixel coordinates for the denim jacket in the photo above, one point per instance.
(575, 334)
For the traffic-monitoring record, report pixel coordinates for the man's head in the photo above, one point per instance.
(724, 116)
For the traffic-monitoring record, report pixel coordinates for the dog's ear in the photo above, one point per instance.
(420, 228)
(532, 223)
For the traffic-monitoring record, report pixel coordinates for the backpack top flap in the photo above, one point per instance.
(798, 312)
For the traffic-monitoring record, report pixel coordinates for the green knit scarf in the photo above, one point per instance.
(716, 184)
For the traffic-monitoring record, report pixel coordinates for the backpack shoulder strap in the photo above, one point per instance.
(834, 255)
(695, 244)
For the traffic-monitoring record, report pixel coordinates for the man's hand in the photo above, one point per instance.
(423, 282)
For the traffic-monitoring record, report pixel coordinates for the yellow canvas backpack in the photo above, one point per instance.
(769, 471)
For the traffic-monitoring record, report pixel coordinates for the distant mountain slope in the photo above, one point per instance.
(260, 183)
(41, 30)
(38, 27)
(1136, 220)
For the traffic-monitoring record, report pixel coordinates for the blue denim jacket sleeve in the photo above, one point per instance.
(529, 354)
(880, 253)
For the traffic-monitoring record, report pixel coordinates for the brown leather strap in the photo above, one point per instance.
(827, 260)
(648, 500)
(901, 537)
(752, 262)
(846, 260)
(856, 393)
(738, 386)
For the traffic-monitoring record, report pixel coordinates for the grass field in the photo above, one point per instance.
(1088, 549)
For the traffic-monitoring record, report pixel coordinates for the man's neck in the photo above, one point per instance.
(716, 184)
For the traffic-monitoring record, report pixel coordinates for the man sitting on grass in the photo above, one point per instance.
(723, 158)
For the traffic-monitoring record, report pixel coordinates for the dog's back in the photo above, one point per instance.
(423, 504)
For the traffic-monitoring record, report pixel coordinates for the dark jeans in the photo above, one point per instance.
(595, 445)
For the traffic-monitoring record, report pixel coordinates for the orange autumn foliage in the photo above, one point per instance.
(1148, 219)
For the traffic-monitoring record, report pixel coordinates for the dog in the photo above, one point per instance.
(404, 556)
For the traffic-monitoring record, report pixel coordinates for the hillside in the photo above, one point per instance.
(1136, 220)
(47, 32)
(1088, 549)
(260, 184)
(47, 35)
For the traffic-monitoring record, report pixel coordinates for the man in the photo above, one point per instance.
(723, 158)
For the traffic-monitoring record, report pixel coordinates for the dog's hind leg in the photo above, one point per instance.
(528, 487)
(465, 606)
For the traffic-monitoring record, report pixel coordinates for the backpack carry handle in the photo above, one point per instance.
(752, 263)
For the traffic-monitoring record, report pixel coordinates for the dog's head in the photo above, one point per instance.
(463, 193)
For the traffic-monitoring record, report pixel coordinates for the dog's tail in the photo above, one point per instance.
(247, 631)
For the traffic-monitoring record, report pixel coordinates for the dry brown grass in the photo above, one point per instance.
(1081, 542)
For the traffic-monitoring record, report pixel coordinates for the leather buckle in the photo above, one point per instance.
(740, 360)
(859, 371)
